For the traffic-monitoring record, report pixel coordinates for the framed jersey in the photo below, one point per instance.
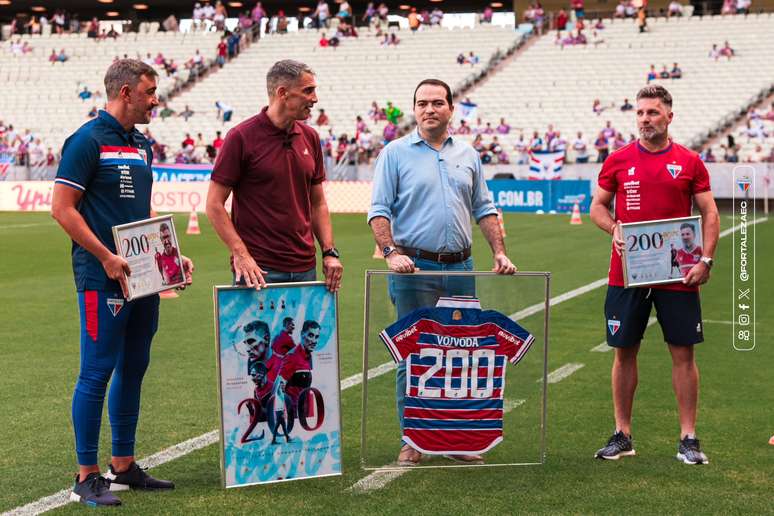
(464, 354)
(151, 249)
(278, 381)
(659, 252)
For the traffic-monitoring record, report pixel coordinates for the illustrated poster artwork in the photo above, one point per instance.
(279, 383)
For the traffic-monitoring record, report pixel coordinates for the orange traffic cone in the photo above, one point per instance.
(168, 294)
(576, 217)
(193, 224)
(377, 253)
(501, 221)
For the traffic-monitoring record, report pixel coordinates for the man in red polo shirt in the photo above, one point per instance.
(273, 165)
(654, 178)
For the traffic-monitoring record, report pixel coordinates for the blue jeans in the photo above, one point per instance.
(274, 276)
(411, 291)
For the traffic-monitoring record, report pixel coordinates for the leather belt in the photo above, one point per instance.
(457, 257)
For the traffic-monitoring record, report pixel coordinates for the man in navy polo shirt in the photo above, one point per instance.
(273, 164)
(104, 179)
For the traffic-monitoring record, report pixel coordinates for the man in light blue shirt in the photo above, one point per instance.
(427, 187)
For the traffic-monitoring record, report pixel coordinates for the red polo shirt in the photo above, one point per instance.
(271, 173)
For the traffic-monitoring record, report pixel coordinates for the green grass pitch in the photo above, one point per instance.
(39, 346)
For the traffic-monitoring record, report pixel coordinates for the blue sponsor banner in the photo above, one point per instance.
(531, 196)
(181, 172)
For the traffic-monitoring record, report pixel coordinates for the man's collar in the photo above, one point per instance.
(264, 119)
(415, 137)
(112, 122)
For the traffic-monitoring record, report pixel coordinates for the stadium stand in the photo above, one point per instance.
(751, 139)
(350, 77)
(43, 97)
(550, 84)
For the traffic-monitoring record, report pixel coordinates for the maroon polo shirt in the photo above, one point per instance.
(271, 173)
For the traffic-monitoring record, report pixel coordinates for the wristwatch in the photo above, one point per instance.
(706, 260)
(387, 251)
(331, 252)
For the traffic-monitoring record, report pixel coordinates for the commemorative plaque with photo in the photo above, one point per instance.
(658, 252)
(151, 249)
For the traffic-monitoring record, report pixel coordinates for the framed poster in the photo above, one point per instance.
(151, 249)
(660, 251)
(278, 380)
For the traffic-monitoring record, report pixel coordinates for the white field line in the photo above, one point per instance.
(357, 379)
(730, 230)
(604, 348)
(381, 477)
(31, 225)
(538, 307)
(563, 372)
(173, 452)
(61, 498)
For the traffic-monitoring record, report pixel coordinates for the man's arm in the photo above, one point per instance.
(710, 224)
(323, 231)
(490, 227)
(383, 235)
(64, 210)
(244, 264)
(600, 215)
(483, 211)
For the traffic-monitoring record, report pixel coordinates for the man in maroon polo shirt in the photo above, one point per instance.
(273, 165)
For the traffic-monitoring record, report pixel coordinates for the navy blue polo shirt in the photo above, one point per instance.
(112, 167)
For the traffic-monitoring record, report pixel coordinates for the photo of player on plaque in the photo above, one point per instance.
(151, 249)
(168, 260)
(660, 251)
(278, 368)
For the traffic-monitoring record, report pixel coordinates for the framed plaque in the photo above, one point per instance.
(151, 249)
(278, 380)
(660, 251)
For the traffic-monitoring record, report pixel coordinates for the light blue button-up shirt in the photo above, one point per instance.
(430, 195)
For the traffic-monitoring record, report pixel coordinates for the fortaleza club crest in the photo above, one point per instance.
(674, 169)
(115, 305)
(744, 184)
(613, 325)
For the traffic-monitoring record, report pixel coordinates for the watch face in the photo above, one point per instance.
(387, 250)
(332, 252)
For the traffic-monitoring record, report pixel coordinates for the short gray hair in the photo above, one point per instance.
(125, 72)
(285, 73)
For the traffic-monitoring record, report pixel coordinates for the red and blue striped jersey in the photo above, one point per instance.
(455, 357)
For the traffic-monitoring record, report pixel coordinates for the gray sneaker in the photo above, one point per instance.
(94, 491)
(689, 452)
(619, 445)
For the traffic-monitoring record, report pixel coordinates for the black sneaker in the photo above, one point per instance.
(94, 491)
(618, 446)
(135, 478)
(689, 452)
